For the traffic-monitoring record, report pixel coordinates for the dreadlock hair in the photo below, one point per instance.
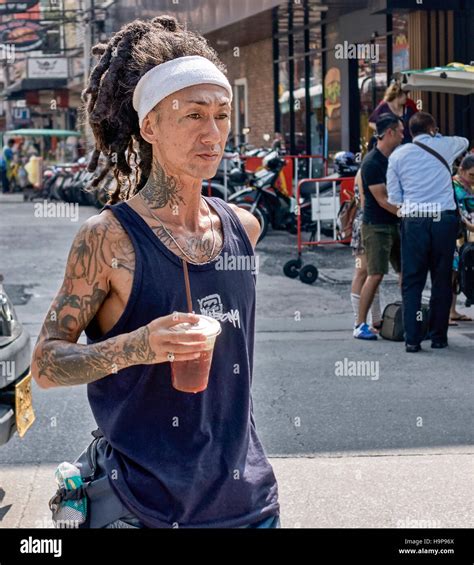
(131, 52)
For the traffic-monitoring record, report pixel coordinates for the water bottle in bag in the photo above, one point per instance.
(70, 512)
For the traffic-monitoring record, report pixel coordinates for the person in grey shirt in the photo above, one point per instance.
(419, 181)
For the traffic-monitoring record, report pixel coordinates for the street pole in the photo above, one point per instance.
(88, 41)
(92, 22)
(7, 107)
(87, 38)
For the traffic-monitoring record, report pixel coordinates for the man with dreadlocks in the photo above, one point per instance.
(159, 106)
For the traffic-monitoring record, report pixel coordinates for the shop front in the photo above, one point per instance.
(331, 62)
(391, 36)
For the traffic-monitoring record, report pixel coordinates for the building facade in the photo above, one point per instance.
(44, 57)
(312, 70)
(315, 70)
(391, 36)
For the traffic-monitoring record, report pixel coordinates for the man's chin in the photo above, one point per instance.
(209, 161)
(207, 169)
(202, 172)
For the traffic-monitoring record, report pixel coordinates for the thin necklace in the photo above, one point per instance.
(177, 244)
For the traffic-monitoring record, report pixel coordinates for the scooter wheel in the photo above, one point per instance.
(309, 274)
(291, 268)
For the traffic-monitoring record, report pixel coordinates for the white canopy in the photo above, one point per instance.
(455, 78)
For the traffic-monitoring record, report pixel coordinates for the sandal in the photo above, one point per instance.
(461, 318)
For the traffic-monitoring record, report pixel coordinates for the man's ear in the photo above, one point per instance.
(146, 131)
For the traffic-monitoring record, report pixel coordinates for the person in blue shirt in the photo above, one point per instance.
(6, 159)
(419, 181)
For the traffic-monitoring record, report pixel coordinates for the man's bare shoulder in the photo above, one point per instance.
(104, 228)
(105, 222)
(250, 223)
(101, 244)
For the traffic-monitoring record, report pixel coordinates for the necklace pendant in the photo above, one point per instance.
(174, 240)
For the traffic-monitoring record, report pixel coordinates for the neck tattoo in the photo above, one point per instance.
(161, 189)
(170, 235)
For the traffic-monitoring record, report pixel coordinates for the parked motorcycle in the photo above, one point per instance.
(270, 205)
(67, 182)
(262, 198)
(231, 175)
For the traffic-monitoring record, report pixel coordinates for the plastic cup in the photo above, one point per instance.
(193, 375)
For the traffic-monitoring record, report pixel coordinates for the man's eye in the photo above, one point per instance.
(221, 117)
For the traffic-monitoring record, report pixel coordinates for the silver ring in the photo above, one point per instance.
(170, 356)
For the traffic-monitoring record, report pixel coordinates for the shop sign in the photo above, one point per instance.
(47, 67)
(25, 35)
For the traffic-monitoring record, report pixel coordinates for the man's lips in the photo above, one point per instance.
(209, 156)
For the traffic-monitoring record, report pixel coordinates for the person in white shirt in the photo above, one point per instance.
(419, 180)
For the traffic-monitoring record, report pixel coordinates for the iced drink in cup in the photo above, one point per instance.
(193, 375)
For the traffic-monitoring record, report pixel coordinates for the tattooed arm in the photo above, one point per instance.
(57, 358)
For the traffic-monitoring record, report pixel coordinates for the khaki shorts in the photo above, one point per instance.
(382, 246)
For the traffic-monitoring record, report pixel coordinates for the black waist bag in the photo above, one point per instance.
(392, 322)
(103, 505)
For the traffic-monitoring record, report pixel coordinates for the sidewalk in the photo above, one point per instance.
(319, 492)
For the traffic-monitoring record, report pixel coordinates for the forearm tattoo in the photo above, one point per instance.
(67, 364)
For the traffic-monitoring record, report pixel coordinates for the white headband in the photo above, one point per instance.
(174, 75)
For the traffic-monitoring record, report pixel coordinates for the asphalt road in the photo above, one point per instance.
(388, 446)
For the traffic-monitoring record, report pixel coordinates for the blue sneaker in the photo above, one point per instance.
(362, 331)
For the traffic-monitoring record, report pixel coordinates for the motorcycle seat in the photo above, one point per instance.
(308, 189)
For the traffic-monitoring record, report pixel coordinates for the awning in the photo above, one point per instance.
(455, 78)
(18, 88)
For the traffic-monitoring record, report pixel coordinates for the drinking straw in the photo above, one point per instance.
(188, 287)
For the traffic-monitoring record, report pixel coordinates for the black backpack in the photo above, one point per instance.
(392, 322)
(466, 272)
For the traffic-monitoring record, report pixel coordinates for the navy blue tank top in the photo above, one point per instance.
(177, 459)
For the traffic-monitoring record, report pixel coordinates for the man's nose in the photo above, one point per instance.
(211, 133)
